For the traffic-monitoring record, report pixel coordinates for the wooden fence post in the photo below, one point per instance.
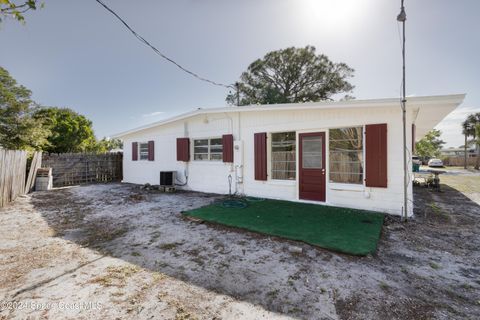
(12, 175)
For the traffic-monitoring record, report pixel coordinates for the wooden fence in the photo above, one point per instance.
(13, 166)
(459, 161)
(78, 168)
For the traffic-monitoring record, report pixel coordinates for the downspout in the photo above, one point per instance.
(185, 169)
(239, 167)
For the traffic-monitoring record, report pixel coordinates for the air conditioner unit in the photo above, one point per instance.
(167, 178)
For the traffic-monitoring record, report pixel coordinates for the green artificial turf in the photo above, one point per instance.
(345, 230)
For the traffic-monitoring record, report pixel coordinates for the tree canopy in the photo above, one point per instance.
(106, 145)
(16, 9)
(24, 125)
(292, 75)
(69, 131)
(430, 145)
(18, 128)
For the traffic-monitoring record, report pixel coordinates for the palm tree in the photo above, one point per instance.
(467, 131)
(471, 129)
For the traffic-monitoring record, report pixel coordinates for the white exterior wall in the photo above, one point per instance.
(211, 176)
(205, 176)
(388, 200)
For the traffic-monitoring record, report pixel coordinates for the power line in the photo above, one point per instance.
(139, 37)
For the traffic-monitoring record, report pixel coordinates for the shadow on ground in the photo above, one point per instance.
(427, 268)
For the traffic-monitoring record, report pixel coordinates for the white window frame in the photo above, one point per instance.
(270, 155)
(209, 151)
(140, 151)
(347, 185)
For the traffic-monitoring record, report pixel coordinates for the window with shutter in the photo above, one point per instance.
(227, 142)
(283, 155)
(134, 151)
(143, 151)
(208, 149)
(346, 155)
(183, 149)
(260, 145)
(151, 151)
(376, 155)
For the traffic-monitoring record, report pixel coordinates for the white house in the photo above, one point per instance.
(459, 152)
(345, 153)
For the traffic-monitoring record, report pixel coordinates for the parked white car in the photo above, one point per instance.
(435, 163)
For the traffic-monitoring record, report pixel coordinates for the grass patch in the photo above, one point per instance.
(384, 286)
(340, 229)
(273, 294)
(462, 183)
(435, 208)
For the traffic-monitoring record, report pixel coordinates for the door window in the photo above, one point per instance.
(312, 152)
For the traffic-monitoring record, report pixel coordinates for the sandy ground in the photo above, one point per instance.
(115, 251)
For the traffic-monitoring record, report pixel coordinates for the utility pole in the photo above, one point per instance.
(402, 17)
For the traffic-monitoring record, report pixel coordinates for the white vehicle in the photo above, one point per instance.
(435, 163)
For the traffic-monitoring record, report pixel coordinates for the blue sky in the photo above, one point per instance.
(75, 54)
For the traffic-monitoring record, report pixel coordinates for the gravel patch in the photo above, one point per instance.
(117, 251)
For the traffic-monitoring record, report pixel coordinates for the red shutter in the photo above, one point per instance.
(260, 145)
(376, 155)
(183, 149)
(151, 151)
(227, 142)
(414, 130)
(134, 151)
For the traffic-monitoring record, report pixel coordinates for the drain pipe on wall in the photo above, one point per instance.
(239, 164)
(185, 169)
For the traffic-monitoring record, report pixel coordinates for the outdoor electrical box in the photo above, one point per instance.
(238, 153)
(238, 160)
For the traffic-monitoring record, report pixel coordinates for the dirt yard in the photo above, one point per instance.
(116, 251)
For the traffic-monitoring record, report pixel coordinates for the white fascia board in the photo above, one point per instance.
(454, 99)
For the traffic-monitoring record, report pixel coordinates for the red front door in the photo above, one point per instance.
(312, 166)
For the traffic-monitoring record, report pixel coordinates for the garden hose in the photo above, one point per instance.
(254, 199)
(236, 202)
(231, 202)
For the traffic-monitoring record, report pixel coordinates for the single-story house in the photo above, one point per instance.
(459, 152)
(342, 153)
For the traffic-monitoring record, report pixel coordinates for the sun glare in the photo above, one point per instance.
(330, 13)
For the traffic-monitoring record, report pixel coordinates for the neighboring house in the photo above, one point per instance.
(458, 152)
(345, 153)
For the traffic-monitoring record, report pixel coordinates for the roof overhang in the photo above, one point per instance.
(428, 115)
(428, 110)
